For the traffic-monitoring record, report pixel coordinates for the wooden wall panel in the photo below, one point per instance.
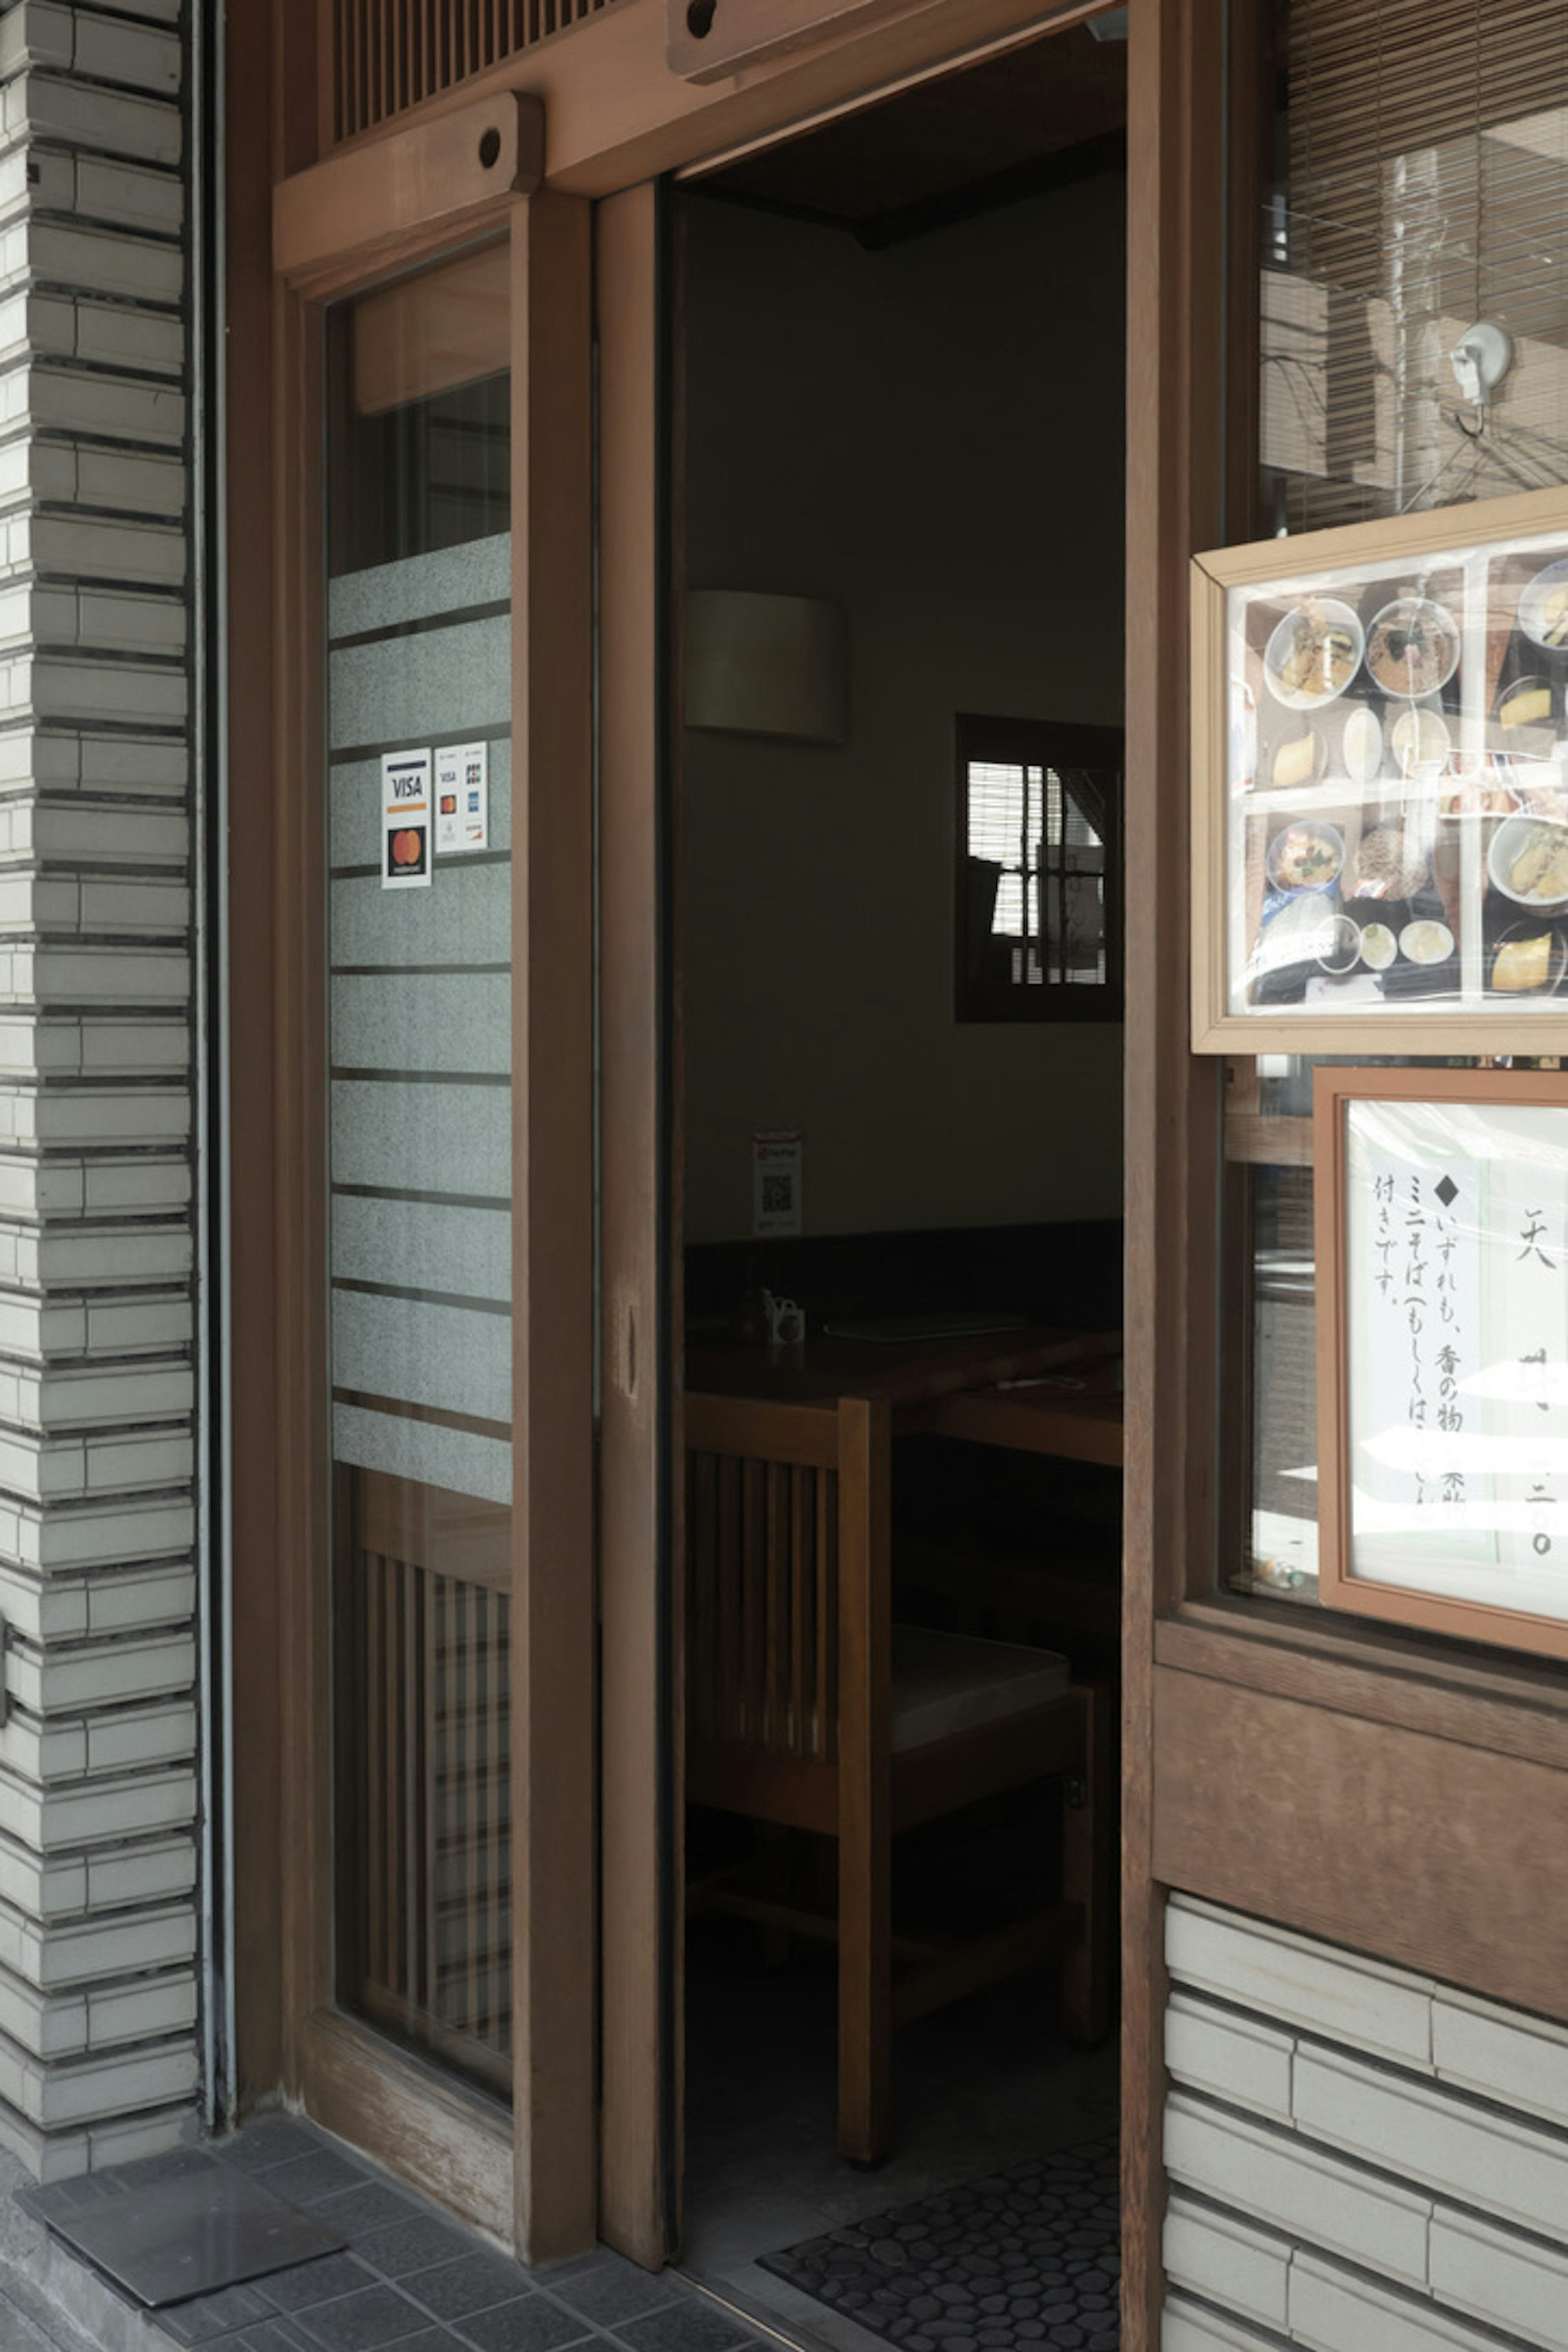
(1416, 1849)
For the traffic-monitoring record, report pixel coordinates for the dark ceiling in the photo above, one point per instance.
(1013, 126)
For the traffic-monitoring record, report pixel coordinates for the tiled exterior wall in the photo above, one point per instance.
(99, 1785)
(1358, 2158)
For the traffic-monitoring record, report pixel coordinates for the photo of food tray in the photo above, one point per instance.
(1394, 761)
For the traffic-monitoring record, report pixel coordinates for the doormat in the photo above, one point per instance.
(170, 2227)
(1026, 2261)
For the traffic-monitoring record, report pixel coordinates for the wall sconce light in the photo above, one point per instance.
(767, 665)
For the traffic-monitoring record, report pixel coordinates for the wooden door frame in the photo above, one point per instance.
(525, 2177)
(640, 1499)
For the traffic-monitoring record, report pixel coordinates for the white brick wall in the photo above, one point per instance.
(1361, 2159)
(99, 1784)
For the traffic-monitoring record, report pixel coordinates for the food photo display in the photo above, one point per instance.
(1389, 838)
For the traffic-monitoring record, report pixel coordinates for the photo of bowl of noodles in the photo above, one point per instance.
(1413, 646)
(1313, 653)
(1306, 857)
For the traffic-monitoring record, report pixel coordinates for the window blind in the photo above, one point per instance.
(1426, 188)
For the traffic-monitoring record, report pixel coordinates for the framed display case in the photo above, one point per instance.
(1442, 1372)
(1380, 770)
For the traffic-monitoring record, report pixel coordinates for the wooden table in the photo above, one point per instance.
(1073, 1424)
(947, 1387)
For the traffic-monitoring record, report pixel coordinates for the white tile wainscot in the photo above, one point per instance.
(1360, 2159)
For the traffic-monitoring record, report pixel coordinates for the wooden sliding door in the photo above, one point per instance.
(435, 1169)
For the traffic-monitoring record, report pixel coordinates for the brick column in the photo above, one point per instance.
(99, 1780)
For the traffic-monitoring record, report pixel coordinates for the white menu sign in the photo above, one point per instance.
(1457, 1299)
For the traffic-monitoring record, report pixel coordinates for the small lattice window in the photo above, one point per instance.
(1038, 929)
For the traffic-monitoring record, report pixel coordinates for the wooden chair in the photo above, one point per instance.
(808, 1709)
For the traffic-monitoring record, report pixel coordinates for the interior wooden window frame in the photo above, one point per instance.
(1018, 743)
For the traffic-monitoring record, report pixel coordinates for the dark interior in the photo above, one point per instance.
(1007, 177)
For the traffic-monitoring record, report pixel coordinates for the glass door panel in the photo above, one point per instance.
(419, 996)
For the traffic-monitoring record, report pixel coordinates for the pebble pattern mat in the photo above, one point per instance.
(1026, 2261)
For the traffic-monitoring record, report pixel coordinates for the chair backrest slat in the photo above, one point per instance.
(762, 1503)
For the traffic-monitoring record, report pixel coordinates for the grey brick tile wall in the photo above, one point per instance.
(99, 1784)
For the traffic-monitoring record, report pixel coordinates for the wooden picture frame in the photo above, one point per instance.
(1441, 1246)
(1326, 806)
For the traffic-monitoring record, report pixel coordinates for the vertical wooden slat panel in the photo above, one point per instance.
(386, 57)
(430, 1991)
(474, 1605)
(408, 1761)
(374, 1780)
(799, 1568)
(865, 1782)
(771, 1710)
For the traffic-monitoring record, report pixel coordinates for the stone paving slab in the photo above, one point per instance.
(409, 2280)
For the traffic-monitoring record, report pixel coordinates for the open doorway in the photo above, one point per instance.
(900, 985)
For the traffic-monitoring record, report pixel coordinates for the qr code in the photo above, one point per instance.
(778, 1195)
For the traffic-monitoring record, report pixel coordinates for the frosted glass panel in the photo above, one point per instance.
(440, 685)
(464, 919)
(446, 1021)
(426, 587)
(436, 1456)
(458, 1358)
(430, 1139)
(457, 1253)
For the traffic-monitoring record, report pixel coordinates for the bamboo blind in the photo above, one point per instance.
(1426, 188)
(387, 56)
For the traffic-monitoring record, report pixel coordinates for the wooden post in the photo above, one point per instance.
(865, 1810)
(553, 1742)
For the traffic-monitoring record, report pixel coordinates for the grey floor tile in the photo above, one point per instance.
(317, 2281)
(277, 2335)
(208, 2316)
(270, 2139)
(618, 2290)
(377, 2315)
(582, 2265)
(474, 2282)
(532, 2324)
(359, 2212)
(306, 2180)
(416, 2241)
(685, 2326)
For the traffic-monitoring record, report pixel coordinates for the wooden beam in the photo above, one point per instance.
(1420, 1849)
(436, 179)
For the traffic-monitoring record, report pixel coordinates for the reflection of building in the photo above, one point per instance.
(1363, 1835)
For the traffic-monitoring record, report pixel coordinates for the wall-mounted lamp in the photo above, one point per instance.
(767, 665)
